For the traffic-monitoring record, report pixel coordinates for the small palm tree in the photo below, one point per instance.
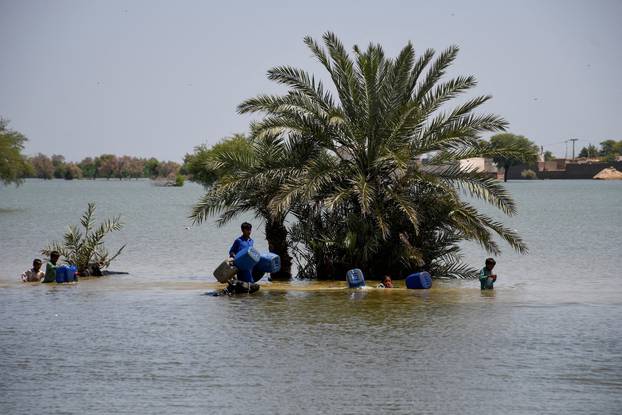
(83, 247)
(249, 178)
(364, 191)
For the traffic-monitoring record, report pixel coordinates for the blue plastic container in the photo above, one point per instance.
(61, 273)
(65, 273)
(70, 273)
(247, 258)
(269, 262)
(419, 281)
(355, 278)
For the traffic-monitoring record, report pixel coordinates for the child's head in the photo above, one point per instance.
(490, 263)
(387, 281)
(246, 229)
(54, 255)
(36, 264)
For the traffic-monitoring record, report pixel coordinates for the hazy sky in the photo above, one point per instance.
(149, 78)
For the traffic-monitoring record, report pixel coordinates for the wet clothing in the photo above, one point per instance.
(238, 245)
(50, 272)
(31, 275)
(485, 280)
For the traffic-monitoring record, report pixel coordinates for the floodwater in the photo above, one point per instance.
(547, 340)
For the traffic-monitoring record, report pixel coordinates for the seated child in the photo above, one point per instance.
(34, 274)
(486, 277)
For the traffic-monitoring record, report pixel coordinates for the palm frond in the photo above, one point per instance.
(477, 226)
(478, 185)
(437, 71)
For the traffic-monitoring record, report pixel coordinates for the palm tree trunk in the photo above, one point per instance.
(276, 234)
(506, 170)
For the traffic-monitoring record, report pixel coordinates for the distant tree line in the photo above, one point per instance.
(15, 166)
(106, 166)
(608, 150)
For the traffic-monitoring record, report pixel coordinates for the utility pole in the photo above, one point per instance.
(573, 141)
(566, 152)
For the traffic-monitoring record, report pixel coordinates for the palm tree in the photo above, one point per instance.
(365, 193)
(84, 246)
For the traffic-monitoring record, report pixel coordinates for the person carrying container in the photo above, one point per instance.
(35, 273)
(243, 242)
(486, 277)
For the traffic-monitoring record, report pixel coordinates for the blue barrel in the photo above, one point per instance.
(355, 278)
(269, 262)
(61, 274)
(246, 259)
(419, 281)
(70, 275)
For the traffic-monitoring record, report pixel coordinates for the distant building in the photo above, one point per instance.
(565, 169)
(480, 164)
(552, 165)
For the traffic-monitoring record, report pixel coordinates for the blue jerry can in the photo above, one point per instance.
(61, 274)
(246, 259)
(355, 278)
(269, 262)
(70, 275)
(419, 281)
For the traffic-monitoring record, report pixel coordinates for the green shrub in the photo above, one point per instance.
(84, 247)
(529, 174)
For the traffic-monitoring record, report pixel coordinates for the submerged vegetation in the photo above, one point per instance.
(84, 247)
(529, 174)
(344, 163)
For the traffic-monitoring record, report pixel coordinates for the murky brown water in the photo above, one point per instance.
(546, 341)
(158, 348)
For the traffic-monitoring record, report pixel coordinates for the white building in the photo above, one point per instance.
(479, 164)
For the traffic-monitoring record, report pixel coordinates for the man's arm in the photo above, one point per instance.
(234, 248)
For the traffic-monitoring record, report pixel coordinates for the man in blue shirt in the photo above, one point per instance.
(239, 244)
